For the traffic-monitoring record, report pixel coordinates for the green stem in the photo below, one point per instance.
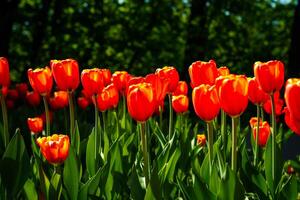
(145, 152)
(47, 116)
(257, 136)
(223, 131)
(234, 121)
(124, 111)
(170, 116)
(117, 122)
(5, 121)
(96, 124)
(104, 133)
(210, 143)
(160, 117)
(273, 136)
(262, 113)
(71, 108)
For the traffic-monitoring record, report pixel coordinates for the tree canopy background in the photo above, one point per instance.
(141, 35)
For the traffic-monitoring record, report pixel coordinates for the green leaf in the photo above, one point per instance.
(76, 140)
(167, 172)
(71, 174)
(57, 185)
(91, 159)
(29, 190)
(288, 190)
(153, 190)
(134, 185)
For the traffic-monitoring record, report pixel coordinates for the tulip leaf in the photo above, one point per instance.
(71, 174)
(76, 139)
(15, 155)
(57, 185)
(169, 167)
(30, 190)
(91, 159)
(288, 189)
(134, 185)
(153, 190)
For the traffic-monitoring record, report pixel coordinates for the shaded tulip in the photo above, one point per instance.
(4, 91)
(292, 97)
(233, 94)
(10, 104)
(41, 80)
(13, 94)
(291, 122)
(106, 76)
(160, 87)
(203, 73)
(278, 105)
(269, 75)
(65, 73)
(43, 116)
(182, 88)
(22, 89)
(256, 95)
(55, 148)
(4, 72)
(264, 131)
(223, 71)
(92, 81)
(33, 98)
(201, 139)
(141, 101)
(59, 101)
(82, 102)
(170, 74)
(180, 103)
(108, 98)
(206, 102)
(35, 125)
(120, 80)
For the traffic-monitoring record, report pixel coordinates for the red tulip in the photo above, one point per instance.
(54, 148)
(278, 105)
(82, 102)
(269, 75)
(4, 72)
(182, 88)
(65, 73)
(92, 81)
(59, 101)
(160, 87)
(201, 139)
(13, 94)
(203, 73)
(106, 76)
(33, 98)
(35, 125)
(134, 80)
(171, 75)
(120, 80)
(291, 122)
(10, 104)
(40, 80)
(206, 102)
(233, 94)
(292, 97)
(264, 131)
(180, 103)
(223, 71)
(22, 89)
(256, 95)
(108, 98)
(141, 101)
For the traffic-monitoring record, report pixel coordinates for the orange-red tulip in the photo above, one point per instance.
(203, 73)
(59, 101)
(82, 102)
(278, 105)
(41, 80)
(4, 72)
(65, 73)
(54, 148)
(292, 123)
(92, 81)
(233, 94)
(120, 80)
(292, 97)
(206, 102)
(108, 98)
(171, 75)
(180, 103)
(160, 87)
(201, 139)
(106, 76)
(182, 88)
(264, 131)
(22, 89)
(269, 75)
(223, 71)
(141, 101)
(33, 98)
(256, 95)
(35, 125)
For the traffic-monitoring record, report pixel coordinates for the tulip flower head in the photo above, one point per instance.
(33, 98)
(201, 139)
(106, 76)
(120, 80)
(55, 148)
(291, 122)
(92, 81)
(22, 89)
(4, 72)
(292, 97)
(41, 80)
(35, 125)
(278, 105)
(170, 74)
(203, 73)
(108, 98)
(182, 88)
(264, 131)
(59, 101)
(82, 102)
(180, 103)
(223, 71)
(256, 95)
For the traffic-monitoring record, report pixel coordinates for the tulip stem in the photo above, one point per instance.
(234, 121)
(170, 116)
(160, 116)
(5, 121)
(71, 108)
(262, 113)
(145, 152)
(47, 116)
(273, 136)
(223, 131)
(210, 144)
(124, 111)
(257, 135)
(96, 125)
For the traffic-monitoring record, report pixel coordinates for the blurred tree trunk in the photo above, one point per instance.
(196, 33)
(293, 69)
(8, 11)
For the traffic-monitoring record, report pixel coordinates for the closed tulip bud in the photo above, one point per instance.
(201, 140)
(203, 73)
(290, 170)
(108, 98)
(160, 87)
(134, 80)
(269, 75)
(256, 95)
(206, 102)
(33, 98)
(4, 72)
(233, 94)
(291, 122)
(278, 105)
(10, 104)
(106, 76)
(82, 102)
(13, 94)
(264, 131)
(170, 74)
(180, 103)
(22, 89)
(223, 71)
(35, 125)
(92, 81)
(55, 148)
(65, 73)
(141, 101)
(41, 80)
(120, 80)
(292, 97)
(182, 88)
(59, 101)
